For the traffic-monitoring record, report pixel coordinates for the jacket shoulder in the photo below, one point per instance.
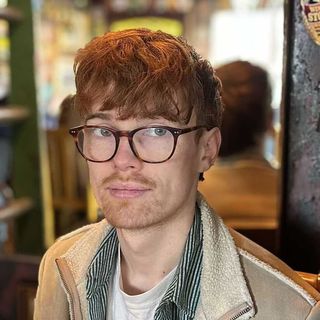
(264, 265)
(51, 300)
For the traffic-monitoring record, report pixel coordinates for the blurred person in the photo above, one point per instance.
(68, 114)
(69, 117)
(152, 111)
(243, 186)
(68, 172)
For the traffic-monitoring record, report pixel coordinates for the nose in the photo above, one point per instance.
(124, 158)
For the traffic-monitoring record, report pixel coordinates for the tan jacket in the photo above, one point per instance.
(239, 279)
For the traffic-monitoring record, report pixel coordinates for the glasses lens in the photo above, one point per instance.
(153, 144)
(97, 144)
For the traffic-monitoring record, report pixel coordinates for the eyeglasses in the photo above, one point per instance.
(150, 144)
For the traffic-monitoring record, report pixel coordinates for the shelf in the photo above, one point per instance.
(10, 14)
(13, 113)
(15, 208)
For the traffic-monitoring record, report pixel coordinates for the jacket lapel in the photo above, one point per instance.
(80, 255)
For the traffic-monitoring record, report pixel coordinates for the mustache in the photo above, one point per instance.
(137, 178)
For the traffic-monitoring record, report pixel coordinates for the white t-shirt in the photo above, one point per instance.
(122, 306)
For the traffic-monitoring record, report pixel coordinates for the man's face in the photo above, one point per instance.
(134, 194)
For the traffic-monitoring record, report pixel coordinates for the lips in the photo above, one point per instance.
(127, 191)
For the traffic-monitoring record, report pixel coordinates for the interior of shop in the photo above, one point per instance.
(44, 187)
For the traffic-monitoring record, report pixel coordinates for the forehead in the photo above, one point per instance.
(111, 117)
(108, 118)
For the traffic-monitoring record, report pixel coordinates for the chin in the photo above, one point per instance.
(129, 222)
(127, 215)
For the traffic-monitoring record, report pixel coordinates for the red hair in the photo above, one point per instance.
(146, 74)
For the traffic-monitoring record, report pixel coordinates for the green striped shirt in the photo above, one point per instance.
(180, 300)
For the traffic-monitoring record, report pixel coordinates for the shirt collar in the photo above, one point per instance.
(184, 291)
(102, 265)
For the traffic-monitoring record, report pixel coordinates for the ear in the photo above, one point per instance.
(209, 148)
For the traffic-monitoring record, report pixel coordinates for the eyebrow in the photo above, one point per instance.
(98, 115)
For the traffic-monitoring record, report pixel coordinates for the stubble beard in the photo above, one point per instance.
(132, 214)
(136, 213)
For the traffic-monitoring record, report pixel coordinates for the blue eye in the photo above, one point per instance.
(157, 132)
(101, 132)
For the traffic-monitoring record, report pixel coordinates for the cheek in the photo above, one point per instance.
(182, 172)
(97, 172)
(92, 172)
(189, 158)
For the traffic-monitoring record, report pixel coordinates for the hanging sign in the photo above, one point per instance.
(311, 18)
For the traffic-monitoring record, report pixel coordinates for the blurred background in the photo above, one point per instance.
(44, 191)
(222, 31)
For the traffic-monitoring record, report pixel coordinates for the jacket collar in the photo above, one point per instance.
(223, 286)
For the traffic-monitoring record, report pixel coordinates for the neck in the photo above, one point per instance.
(147, 256)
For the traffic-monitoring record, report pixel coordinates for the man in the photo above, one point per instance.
(251, 200)
(152, 109)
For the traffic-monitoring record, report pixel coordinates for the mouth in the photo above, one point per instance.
(127, 191)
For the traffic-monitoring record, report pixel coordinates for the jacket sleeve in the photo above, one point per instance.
(51, 301)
